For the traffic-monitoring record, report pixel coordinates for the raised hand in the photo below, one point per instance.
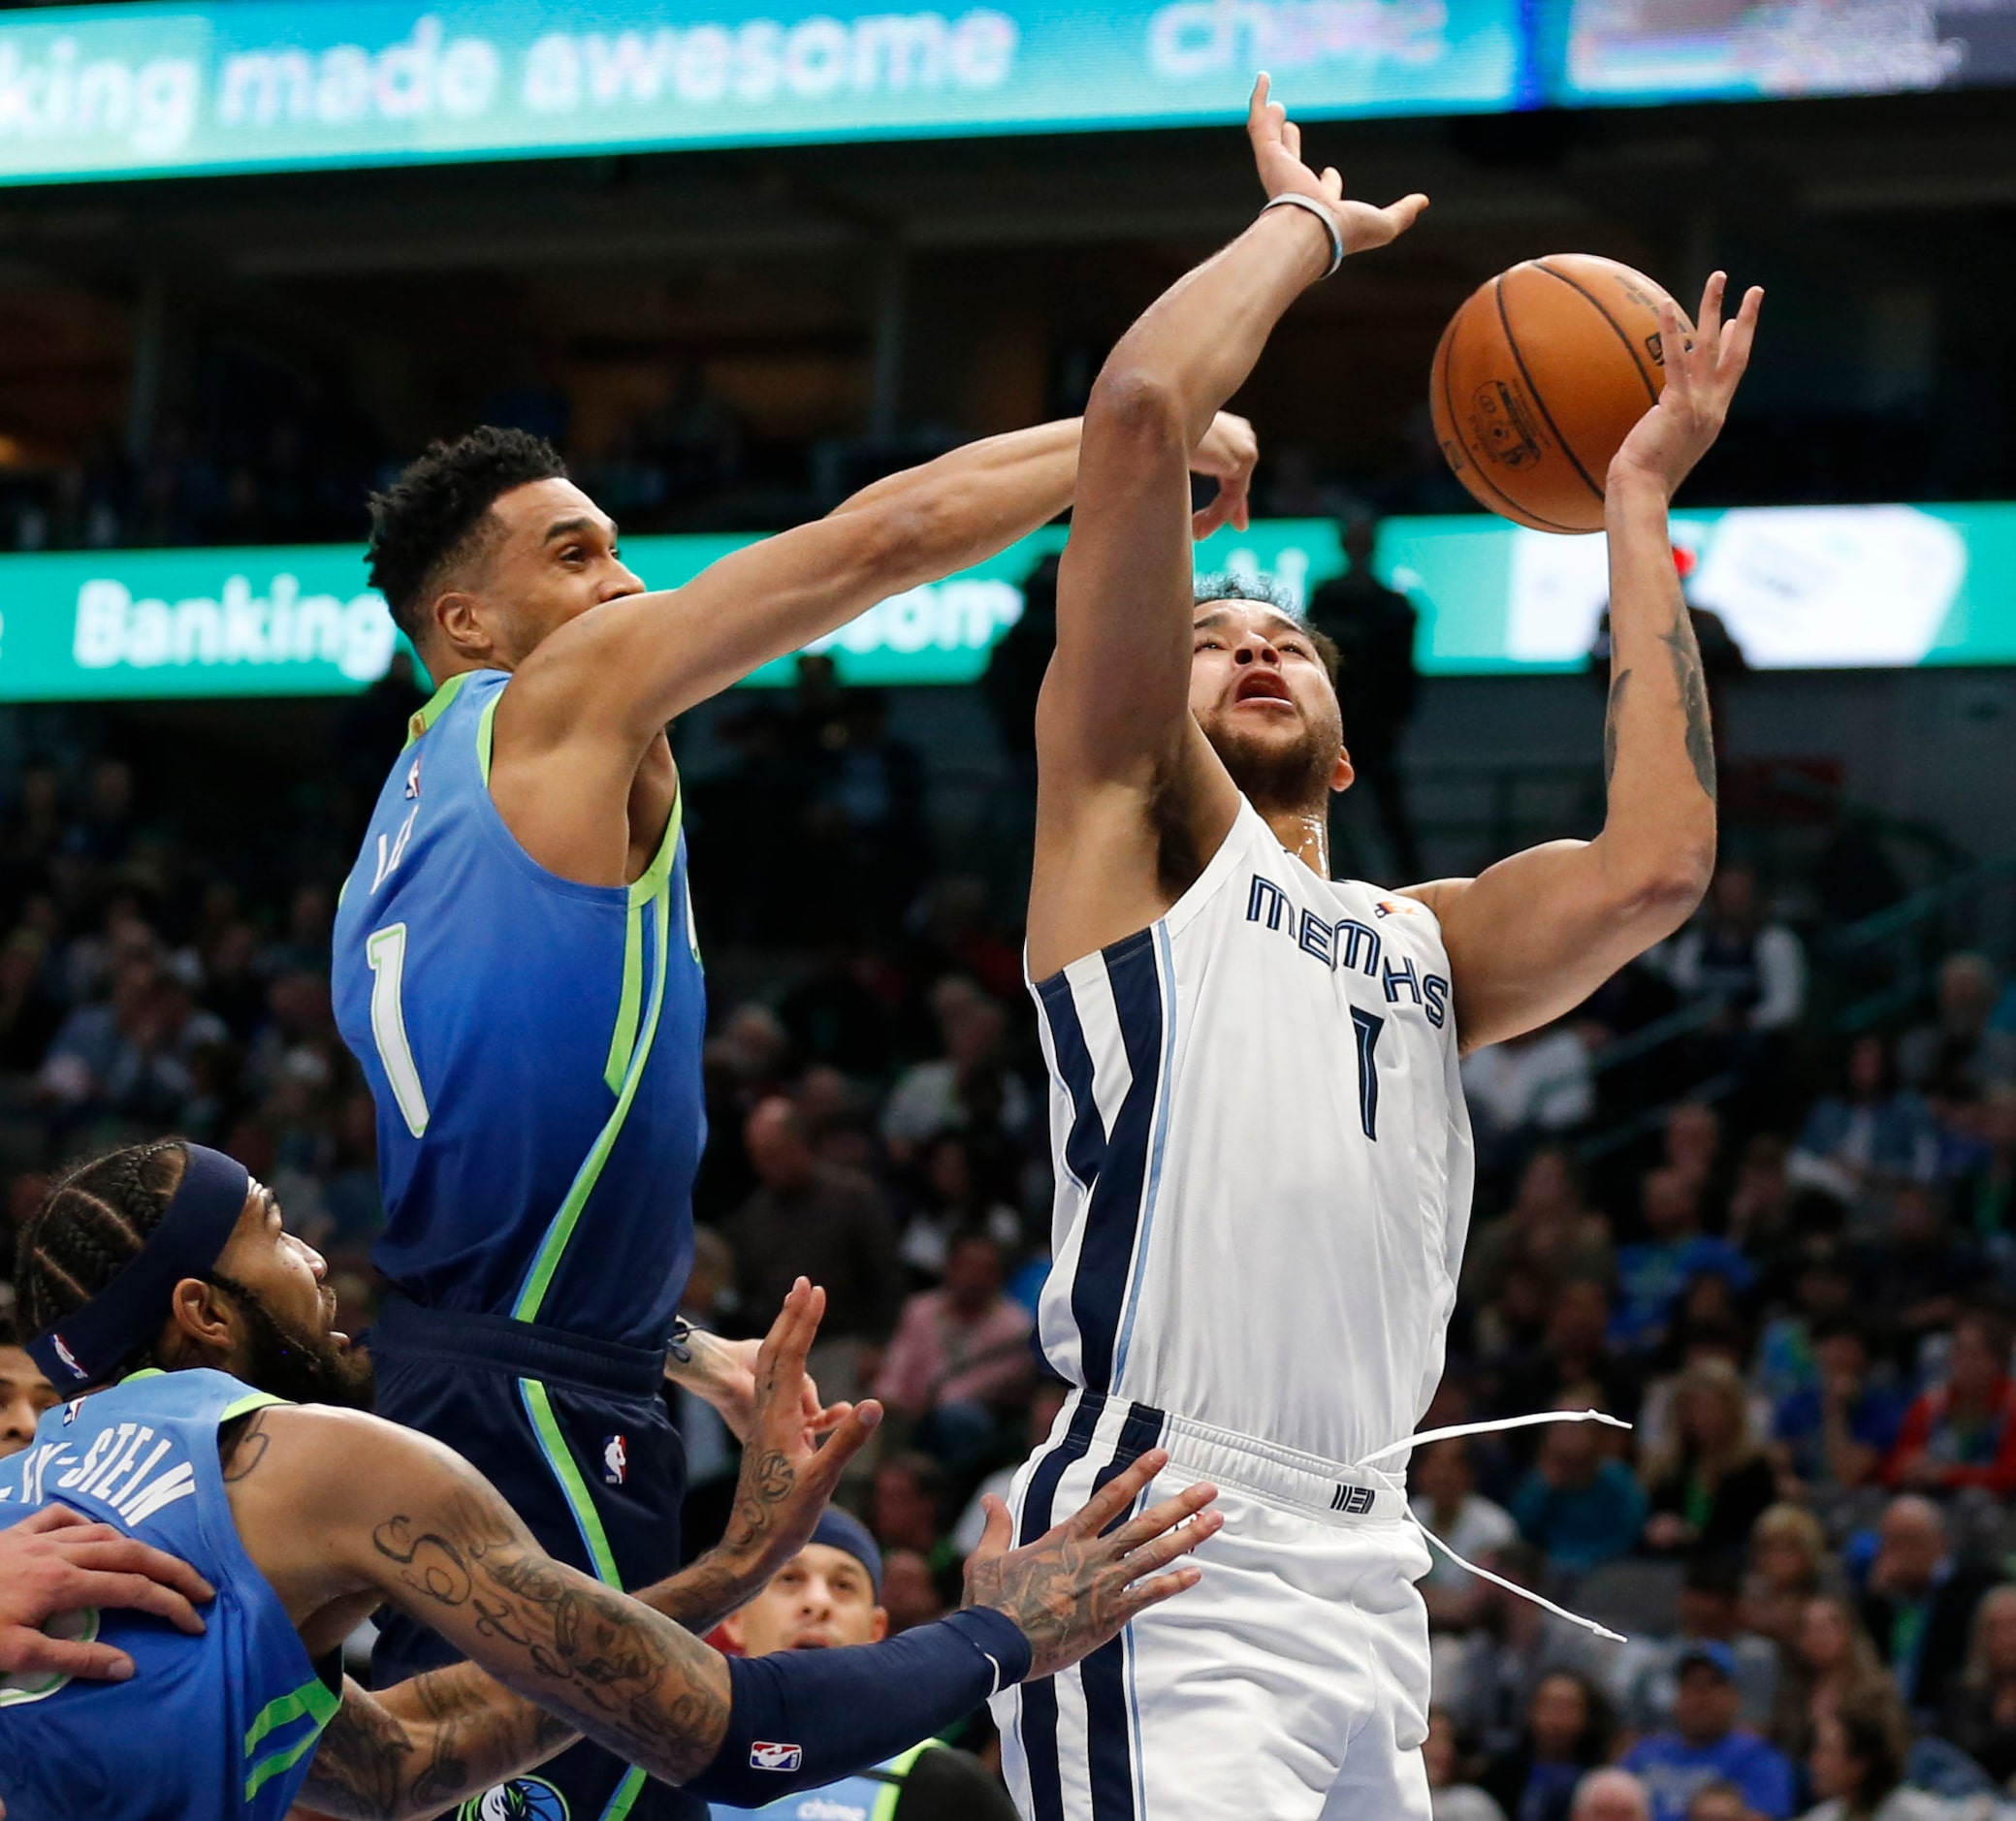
(1277, 155)
(1228, 455)
(1077, 1587)
(1704, 366)
(722, 1373)
(792, 1461)
(60, 1560)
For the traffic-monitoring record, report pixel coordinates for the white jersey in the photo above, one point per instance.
(1262, 1156)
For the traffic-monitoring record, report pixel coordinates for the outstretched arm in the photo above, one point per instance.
(1113, 725)
(1532, 937)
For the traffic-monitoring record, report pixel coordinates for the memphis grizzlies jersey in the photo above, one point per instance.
(533, 1047)
(222, 1726)
(1262, 1157)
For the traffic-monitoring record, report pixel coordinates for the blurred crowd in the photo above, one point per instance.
(1786, 1255)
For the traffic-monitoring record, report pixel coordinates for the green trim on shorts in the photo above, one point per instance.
(573, 1488)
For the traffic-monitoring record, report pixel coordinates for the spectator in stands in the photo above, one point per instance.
(1549, 1227)
(1444, 1499)
(906, 1509)
(1866, 1133)
(1719, 1801)
(1920, 1604)
(1831, 1661)
(1652, 1273)
(1487, 1676)
(818, 1219)
(1645, 1676)
(1980, 1716)
(1813, 1284)
(1530, 1086)
(1761, 1197)
(1712, 1487)
(1693, 1146)
(24, 1393)
(1611, 1795)
(1960, 1046)
(1857, 1766)
(969, 1089)
(952, 1198)
(1705, 1327)
(1834, 1437)
(1916, 1281)
(1706, 1746)
(1788, 1564)
(1449, 1797)
(1574, 1351)
(1752, 969)
(30, 1015)
(1963, 1434)
(960, 1361)
(826, 1597)
(1579, 1504)
(912, 1594)
(1567, 1733)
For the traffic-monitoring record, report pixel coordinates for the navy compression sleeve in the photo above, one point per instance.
(801, 1718)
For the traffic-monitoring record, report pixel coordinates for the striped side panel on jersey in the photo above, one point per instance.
(1102, 1676)
(1097, 1034)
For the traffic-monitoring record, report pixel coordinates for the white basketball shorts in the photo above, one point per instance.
(1289, 1685)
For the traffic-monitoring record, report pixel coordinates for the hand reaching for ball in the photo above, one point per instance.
(1277, 155)
(1703, 369)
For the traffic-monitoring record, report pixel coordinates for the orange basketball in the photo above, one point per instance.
(1539, 378)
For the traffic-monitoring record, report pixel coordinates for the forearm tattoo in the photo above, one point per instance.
(1692, 682)
(371, 1766)
(637, 1685)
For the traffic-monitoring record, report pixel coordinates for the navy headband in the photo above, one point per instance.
(843, 1531)
(92, 1343)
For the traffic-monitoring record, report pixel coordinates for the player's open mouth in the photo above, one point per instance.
(1261, 685)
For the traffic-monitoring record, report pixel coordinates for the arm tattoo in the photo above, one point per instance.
(1609, 726)
(638, 1685)
(370, 1766)
(1693, 694)
(241, 1445)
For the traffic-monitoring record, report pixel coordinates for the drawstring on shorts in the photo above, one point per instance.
(1491, 1429)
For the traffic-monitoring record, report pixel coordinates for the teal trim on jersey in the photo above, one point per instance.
(650, 888)
(580, 1501)
(485, 737)
(435, 706)
(626, 1798)
(315, 1701)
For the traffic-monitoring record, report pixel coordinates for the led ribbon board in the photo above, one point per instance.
(1799, 586)
(153, 89)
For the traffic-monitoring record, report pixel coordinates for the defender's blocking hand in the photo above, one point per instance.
(1076, 1585)
(1277, 155)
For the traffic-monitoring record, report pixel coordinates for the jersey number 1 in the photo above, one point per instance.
(1368, 1025)
(386, 951)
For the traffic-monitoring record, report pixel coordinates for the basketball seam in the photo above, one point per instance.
(1476, 466)
(1630, 348)
(1539, 403)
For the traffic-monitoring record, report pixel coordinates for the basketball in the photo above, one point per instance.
(1539, 378)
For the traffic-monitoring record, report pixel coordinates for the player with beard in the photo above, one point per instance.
(165, 1288)
(1263, 1159)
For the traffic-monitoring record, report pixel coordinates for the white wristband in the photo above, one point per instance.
(1294, 199)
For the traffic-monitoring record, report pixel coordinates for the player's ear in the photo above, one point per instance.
(879, 1624)
(460, 621)
(1342, 772)
(731, 1629)
(199, 1322)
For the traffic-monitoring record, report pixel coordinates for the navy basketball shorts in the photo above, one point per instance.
(1290, 1682)
(572, 1432)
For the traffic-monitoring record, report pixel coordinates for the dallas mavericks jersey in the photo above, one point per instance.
(223, 1726)
(1263, 1157)
(533, 1047)
(869, 1796)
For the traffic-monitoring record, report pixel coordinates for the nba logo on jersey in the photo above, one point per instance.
(764, 1756)
(615, 1460)
(413, 783)
(68, 1357)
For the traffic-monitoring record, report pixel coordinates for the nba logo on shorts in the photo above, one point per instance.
(522, 1799)
(764, 1756)
(615, 1460)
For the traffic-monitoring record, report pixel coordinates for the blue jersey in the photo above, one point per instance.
(221, 1726)
(533, 1045)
